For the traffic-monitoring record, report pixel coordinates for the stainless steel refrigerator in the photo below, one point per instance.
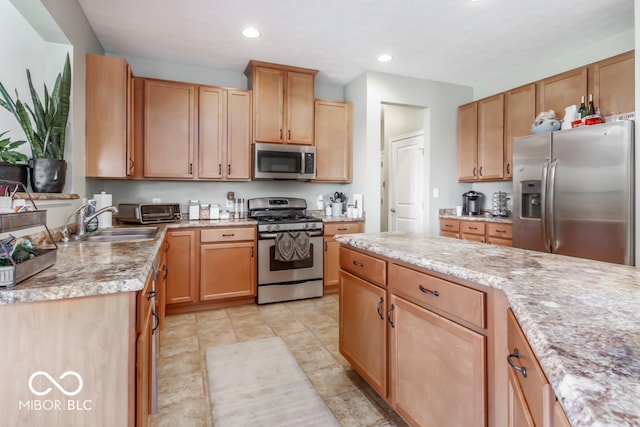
(573, 192)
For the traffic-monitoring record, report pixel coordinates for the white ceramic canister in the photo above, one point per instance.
(194, 209)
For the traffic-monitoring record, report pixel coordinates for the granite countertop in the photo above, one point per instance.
(485, 217)
(580, 316)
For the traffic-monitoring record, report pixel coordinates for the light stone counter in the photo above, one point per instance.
(98, 268)
(581, 317)
(485, 217)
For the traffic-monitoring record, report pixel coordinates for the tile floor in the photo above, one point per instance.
(310, 329)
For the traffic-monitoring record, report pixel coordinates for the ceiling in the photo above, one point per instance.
(456, 41)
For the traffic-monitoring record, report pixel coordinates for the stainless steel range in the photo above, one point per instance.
(290, 252)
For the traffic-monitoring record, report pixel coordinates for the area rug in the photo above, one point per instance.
(259, 383)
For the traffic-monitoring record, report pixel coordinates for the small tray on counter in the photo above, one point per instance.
(18, 221)
(11, 275)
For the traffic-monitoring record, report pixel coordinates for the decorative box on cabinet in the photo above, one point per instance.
(334, 141)
(332, 251)
(283, 103)
(110, 151)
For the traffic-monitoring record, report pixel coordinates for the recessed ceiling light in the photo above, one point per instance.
(385, 58)
(251, 33)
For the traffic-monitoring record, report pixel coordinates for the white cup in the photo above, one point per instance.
(459, 210)
(336, 209)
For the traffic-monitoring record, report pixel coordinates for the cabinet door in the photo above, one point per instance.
(212, 131)
(334, 141)
(468, 142)
(614, 84)
(331, 267)
(520, 113)
(562, 90)
(299, 106)
(363, 331)
(437, 368)
(169, 129)
(227, 270)
(181, 267)
(238, 165)
(518, 411)
(491, 138)
(109, 117)
(268, 104)
(143, 371)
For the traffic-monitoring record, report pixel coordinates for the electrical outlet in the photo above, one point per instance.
(156, 200)
(436, 193)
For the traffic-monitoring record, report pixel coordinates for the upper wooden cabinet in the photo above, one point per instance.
(491, 138)
(481, 140)
(174, 113)
(519, 115)
(224, 138)
(334, 141)
(468, 142)
(283, 103)
(558, 92)
(613, 82)
(169, 129)
(109, 119)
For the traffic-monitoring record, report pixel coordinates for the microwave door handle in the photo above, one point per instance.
(302, 168)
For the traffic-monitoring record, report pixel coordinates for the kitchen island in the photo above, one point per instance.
(580, 317)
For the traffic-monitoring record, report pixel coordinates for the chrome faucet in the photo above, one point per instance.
(83, 220)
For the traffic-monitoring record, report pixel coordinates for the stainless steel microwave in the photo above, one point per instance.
(282, 161)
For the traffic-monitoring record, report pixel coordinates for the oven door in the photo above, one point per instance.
(271, 271)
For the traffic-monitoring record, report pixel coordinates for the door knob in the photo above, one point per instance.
(393, 210)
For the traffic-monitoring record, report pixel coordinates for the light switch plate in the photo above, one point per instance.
(436, 193)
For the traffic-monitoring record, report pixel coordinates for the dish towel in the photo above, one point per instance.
(292, 246)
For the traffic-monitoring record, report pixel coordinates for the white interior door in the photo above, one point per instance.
(406, 182)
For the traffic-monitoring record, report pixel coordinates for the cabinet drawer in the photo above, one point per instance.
(221, 234)
(452, 225)
(503, 231)
(364, 266)
(464, 303)
(534, 384)
(342, 228)
(472, 227)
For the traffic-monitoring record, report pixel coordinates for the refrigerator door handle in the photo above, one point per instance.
(543, 203)
(551, 205)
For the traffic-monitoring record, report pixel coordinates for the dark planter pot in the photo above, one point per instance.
(14, 172)
(47, 175)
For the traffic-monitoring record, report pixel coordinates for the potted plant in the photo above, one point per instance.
(13, 164)
(44, 125)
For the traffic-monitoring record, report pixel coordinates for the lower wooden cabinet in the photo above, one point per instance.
(331, 251)
(181, 266)
(227, 263)
(437, 368)
(363, 331)
(210, 267)
(479, 231)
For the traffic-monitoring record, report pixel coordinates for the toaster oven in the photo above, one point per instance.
(148, 213)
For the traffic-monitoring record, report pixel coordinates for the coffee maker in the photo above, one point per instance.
(471, 201)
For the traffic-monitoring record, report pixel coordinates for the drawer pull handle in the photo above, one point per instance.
(342, 229)
(229, 235)
(473, 228)
(393, 307)
(522, 369)
(380, 308)
(448, 225)
(427, 291)
(358, 264)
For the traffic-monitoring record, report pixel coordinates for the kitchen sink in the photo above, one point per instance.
(117, 234)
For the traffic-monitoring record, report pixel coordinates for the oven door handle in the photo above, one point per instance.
(265, 236)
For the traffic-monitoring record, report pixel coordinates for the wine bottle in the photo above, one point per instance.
(582, 111)
(592, 108)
